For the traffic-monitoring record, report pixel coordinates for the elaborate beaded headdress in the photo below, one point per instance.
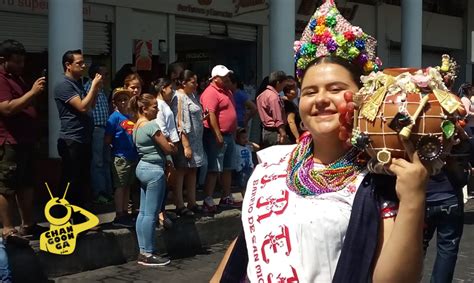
(328, 33)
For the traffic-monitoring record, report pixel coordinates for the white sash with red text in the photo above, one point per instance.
(291, 238)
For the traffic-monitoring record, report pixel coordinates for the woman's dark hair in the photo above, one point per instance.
(276, 77)
(184, 77)
(121, 74)
(132, 77)
(140, 101)
(262, 87)
(68, 57)
(355, 71)
(465, 90)
(94, 69)
(11, 47)
(158, 85)
(175, 68)
(235, 80)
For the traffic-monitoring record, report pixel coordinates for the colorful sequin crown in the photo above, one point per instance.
(328, 33)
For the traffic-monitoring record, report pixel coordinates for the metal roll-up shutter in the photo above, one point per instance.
(32, 32)
(209, 28)
(192, 27)
(96, 38)
(242, 32)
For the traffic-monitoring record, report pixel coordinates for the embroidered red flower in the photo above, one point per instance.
(349, 36)
(352, 189)
(316, 39)
(325, 37)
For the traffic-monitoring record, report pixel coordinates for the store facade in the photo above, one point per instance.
(203, 33)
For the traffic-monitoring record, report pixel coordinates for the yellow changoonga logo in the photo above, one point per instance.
(62, 235)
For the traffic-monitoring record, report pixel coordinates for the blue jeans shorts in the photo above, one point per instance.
(219, 158)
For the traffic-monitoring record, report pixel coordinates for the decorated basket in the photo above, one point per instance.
(402, 110)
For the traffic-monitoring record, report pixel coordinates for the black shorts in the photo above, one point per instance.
(16, 168)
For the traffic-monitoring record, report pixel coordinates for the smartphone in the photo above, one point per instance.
(44, 73)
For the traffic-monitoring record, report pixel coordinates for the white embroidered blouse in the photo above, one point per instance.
(289, 236)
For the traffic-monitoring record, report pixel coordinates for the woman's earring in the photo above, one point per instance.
(303, 127)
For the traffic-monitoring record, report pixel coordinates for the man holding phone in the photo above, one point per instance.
(18, 134)
(74, 108)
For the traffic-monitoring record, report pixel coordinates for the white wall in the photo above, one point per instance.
(438, 30)
(429, 58)
(132, 24)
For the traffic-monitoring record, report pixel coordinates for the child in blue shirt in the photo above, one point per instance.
(118, 134)
(244, 149)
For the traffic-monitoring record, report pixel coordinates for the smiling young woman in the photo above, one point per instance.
(313, 212)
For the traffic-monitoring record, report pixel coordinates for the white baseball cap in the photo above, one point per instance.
(220, 70)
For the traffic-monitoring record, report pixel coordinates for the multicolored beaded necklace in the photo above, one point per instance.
(305, 180)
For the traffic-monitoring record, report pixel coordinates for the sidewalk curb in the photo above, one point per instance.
(111, 246)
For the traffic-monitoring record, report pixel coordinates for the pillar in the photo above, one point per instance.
(282, 35)
(412, 16)
(65, 33)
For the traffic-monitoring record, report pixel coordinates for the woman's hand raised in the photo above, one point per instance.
(411, 178)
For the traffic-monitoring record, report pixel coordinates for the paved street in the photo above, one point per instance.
(200, 267)
(195, 269)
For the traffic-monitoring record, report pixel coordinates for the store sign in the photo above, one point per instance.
(40, 7)
(225, 9)
(196, 56)
(143, 53)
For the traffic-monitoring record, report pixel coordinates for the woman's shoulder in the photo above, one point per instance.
(148, 126)
(179, 93)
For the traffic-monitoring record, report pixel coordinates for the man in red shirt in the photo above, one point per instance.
(271, 111)
(218, 138)
(18, 134)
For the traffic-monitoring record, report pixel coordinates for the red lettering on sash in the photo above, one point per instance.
(274, 242)
(282, 279)
(274, 205)
(267, 179)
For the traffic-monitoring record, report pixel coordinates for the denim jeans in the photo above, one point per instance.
(153, 186)
(101, 180)
(5, 273)
(446, 218)
(219, 159)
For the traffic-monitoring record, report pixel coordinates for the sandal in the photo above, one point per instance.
(196, 209)
(13, 237)
(184, 211)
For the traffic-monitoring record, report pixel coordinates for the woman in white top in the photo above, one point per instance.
(163, 88)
